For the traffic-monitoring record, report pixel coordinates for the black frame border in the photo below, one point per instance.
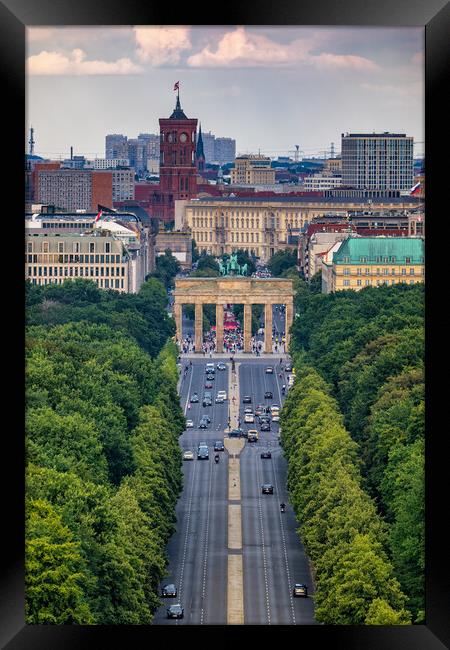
(434, 15)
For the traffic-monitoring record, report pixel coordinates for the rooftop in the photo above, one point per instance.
(376, 248)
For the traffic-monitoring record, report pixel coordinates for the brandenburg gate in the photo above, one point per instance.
(233, 290)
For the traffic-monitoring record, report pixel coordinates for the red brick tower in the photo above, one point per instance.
(177, 167)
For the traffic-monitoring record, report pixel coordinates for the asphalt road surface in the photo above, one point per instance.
(273, 556)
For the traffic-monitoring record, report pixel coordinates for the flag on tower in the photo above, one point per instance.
(177, 86)
(98, 216)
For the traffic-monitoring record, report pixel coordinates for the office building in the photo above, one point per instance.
(224, 150)
(74, 189)
(252, 170)
(377, 161)
(116, 146)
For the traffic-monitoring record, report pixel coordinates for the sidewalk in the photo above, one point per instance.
(237, 355)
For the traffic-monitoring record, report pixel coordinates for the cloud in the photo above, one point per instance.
(74, 63)
(243, 49)
(161, 45)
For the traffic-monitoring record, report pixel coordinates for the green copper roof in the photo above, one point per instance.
(376, 249)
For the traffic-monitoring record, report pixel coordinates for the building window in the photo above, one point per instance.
(385, 271)
(358, 282)
(60, 247)
(91, 247)
(358, 271)
(367, 282)
(346, 271)
(30, 247)
(346, 283)
(403, 271)
(45, 246)
(407, 260)
(411, 271)
(107, 247)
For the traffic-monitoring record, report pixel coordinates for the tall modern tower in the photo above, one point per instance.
(377, 161)
(178, 171)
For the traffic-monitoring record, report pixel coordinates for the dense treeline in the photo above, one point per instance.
(368, 347)
(142, 316)
(343, 535)
(103, 463)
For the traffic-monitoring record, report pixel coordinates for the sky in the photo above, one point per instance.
(269, 88)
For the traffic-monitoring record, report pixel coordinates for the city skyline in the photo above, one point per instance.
(269, 88)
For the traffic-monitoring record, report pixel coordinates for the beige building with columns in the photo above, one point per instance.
(261, 225)
(233, 290)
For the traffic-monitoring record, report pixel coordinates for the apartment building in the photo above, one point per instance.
(252, 170)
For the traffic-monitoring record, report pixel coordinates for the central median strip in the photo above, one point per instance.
(234, 446)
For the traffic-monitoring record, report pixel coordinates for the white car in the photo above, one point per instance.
(248, 409)
(222, 394)
(275, 417)
(269, 370)
(249, 417)
(275, 409)
(188, 455)
(189, 424)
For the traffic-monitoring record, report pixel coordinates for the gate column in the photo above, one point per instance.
(177, 313)
(198, 326)
(268, 327)
(219, 328)
(247, 327)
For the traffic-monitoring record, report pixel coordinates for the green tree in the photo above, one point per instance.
(281, 261)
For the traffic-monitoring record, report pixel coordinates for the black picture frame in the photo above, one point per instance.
(434, 15)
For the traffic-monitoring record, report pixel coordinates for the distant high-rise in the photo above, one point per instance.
(377, 161)
(116, 146)
(208, 146)
(224, 150)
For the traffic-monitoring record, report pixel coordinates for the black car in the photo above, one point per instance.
(267, 488)
(194, 398)
(202, 453)
(246, 399)
(169, 591)
(218, 446)
(210, 377)
(265, 426)
(268, 394)
(221, 366)
(300, 589)
(235, 433)
(203, 424)
(266, 454)
(175, 611)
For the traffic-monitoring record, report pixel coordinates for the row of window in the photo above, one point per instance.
(383, 260)
(48, 258)
(32, 246)
(75, 271)
(358, 283)
(103, 283)
(369, 271)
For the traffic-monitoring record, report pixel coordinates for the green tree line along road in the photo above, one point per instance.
(353, 433)
(103, 463)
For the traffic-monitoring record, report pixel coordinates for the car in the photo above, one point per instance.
(300, 589)
(208, 394)
(269, 370)
(274, 408)
(209, 369)
(267, 488)
(249, 418)
(221, 366)
(252, 435)
(246, 399)
(259, 410)
(208, 384)
(223, 393)
(265, 426)
(169, 591)
(189, 424)
(248, 409)
(235, 433)
(203, 424)
(207, 401)
(175, 611)
(202, 452)
(275, 417)
(210, 377)
(219, 399)
(188, 455)
(266, 454)
(268, 394)
(288, 367)
(218, 446)
(194, 398)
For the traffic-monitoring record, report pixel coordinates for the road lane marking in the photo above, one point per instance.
(234, 526)
(263, 545)
(206, 545)
(180, 586)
